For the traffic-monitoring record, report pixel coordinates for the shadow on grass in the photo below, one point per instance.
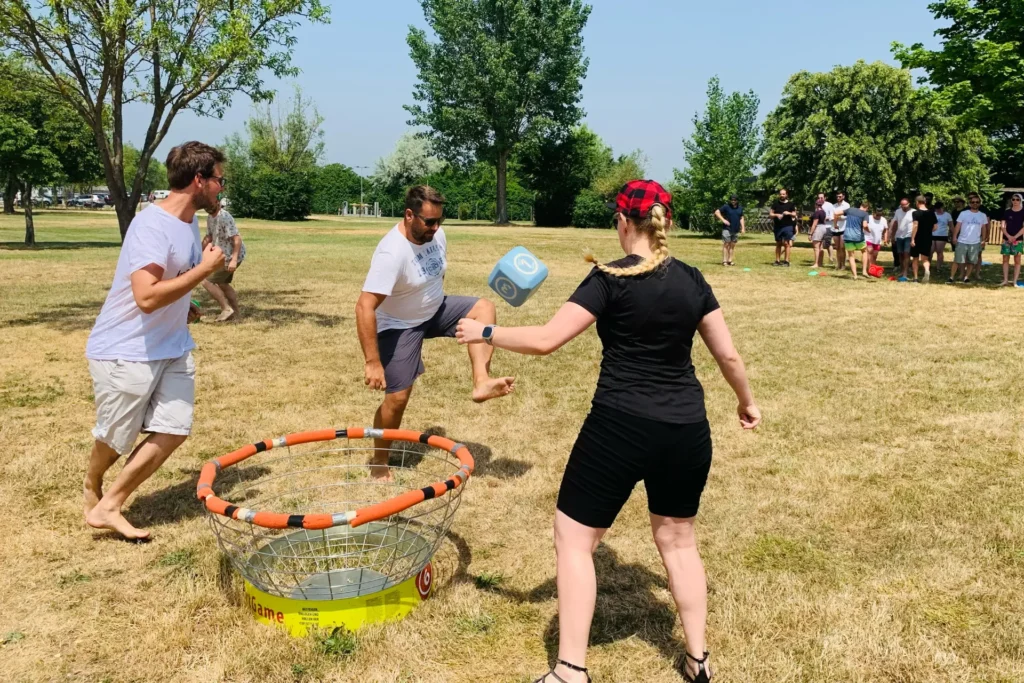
(56, 246)
(178, 502)
(66, 318)
(626, 606)
(410, 454)
(276, 308)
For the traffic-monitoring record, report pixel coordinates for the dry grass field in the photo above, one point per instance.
(872, 529)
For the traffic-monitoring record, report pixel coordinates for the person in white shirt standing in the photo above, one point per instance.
(402, 303)
(970, 234)
(140, 349)
(839, 210)
(221, 230)
(901, 231)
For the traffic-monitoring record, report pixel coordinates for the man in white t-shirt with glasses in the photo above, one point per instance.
(403, 303)
(140, 349)
(970, 235)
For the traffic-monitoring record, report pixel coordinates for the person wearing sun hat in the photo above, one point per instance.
(647, 420)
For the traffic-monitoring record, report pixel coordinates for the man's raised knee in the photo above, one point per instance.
(483, 310)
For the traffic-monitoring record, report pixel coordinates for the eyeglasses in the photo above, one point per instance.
(430, 222)
(221, 180)
(975, 202)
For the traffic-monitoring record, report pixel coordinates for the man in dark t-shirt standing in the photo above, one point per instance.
(733, 223)
(783, 214)
(925, 222)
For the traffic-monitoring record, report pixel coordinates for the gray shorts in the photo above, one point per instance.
(967, 253)
(401, 351)
(821, 233)
(142, 396)
(730, 236)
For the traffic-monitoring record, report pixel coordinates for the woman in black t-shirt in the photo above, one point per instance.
(647, 421)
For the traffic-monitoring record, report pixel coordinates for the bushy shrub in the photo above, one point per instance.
(591, 211)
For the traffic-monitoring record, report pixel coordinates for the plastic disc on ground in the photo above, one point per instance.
(813, 272)
(746, 270)
(822, 274)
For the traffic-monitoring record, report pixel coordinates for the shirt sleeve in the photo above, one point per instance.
(148, 246)
(593, 294)
(383, 273)
(709, 303)
(229, 225)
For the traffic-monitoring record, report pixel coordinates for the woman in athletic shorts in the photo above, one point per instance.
(647, 421)
(941, 235)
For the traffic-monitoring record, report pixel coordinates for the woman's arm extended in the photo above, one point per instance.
(715, 334)
(570, 320)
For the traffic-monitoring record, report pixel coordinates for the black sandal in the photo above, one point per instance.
(567, 665)
(703, 673)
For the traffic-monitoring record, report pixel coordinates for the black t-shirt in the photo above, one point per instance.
(785, 221)
(646, 324)
(926, 221)
(733, 215)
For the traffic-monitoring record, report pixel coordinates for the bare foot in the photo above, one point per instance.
(379, 471)
(494, 388)
(226, 315)
(93, 492)
(107, 519)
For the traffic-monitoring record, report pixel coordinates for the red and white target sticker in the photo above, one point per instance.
(424, 580)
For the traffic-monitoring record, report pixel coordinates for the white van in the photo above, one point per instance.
(157, 195)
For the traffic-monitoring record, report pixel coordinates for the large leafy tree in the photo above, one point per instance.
(170, 54)
(722, 153)
(558, 169)
(500, 72)
(979, 70)
(867, 130)
(412, 158)
(273, 168)
(333, 185)
(155, 177)
(42, 139)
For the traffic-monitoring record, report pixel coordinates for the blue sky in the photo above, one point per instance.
(649, 67)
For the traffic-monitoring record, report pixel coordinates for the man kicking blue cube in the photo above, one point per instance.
(517, 276)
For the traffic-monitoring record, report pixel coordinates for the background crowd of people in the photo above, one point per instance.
(916, 233)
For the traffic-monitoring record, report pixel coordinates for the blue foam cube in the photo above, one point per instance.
(517, 276)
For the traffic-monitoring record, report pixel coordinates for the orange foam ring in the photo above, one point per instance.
(273, 520)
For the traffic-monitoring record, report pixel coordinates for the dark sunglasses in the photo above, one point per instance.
(221, 180)
(430, 222)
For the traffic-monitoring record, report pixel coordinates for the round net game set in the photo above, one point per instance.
(318, 540)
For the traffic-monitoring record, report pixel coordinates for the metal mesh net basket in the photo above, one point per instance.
(335, 531)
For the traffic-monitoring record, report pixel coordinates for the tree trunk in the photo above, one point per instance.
(502, 218)
(125, 207)
(10, 190)
(26, 203)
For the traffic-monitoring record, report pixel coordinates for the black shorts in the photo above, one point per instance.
(614, 451)
(921, 249)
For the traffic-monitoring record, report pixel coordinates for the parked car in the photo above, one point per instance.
(95, 201)
(78, 200)
(108, 200)
(44, 202)
(157, 195)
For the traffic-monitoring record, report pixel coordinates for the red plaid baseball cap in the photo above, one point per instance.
(637, 197)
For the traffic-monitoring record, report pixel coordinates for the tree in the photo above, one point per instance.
(333, 185)
(558, 169)
(42, 139)
(169, 54)
(979, 71)
(721, 155)
(273, 168)
(155, 177)
(501, 71)
(866, 129)
(412, 159)
(590, 209)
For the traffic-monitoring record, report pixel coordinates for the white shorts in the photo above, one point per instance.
(142, 396)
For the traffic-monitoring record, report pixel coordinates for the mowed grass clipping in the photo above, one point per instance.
(872, 529)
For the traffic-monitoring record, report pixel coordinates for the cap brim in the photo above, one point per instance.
(612, 206)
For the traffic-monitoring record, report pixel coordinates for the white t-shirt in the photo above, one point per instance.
(122, 331)
(876, 227)
(829, 210)
(412, 278)
(841, 222)
(942, 228)
(971, 223)
(904, 223)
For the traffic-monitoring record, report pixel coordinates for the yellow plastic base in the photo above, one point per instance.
(298, 616)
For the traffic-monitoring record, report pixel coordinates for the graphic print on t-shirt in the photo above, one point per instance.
(411, 276)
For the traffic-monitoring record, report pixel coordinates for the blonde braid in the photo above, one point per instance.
(655, 227)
